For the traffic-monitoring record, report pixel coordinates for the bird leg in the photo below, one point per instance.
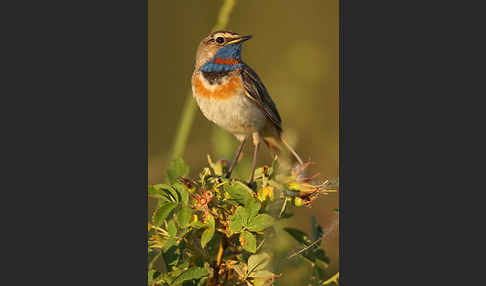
(237, 155)
(256, 142)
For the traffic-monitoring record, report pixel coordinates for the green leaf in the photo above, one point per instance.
(191, 274)
(184, 216)
(162, 212)
(151, 273)
(217, 167)
(171, 254)
(253, 206)
(152, 257)
(238, 219)
(239, 192)
(172, 228)
(209, 232)
(260, 222)
(177, 167)
(298, 235)
(316, 230)
(258, 262)
(274, 168)
(262, 282)
(203, 281)
(162, 191)
(321, 255)
(261, 274)
(248, 241)
(182, 192)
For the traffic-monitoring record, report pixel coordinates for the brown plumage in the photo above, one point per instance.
(230, 94)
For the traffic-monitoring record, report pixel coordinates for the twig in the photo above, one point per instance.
(304, 249)
(334, 279)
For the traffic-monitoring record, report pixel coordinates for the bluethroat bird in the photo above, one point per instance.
(230, 94)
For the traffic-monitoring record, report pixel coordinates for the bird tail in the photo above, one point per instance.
(275, 147)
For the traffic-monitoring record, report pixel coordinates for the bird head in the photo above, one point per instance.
(220, 51)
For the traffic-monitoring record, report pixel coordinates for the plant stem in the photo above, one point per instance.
(334, 279)
(189, 109)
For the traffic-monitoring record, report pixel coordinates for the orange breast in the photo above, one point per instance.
(223, 91)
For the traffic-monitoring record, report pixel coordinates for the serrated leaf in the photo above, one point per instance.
(239, 192)
(248, 241)
(162, 212)
(260, 222)
(258, 262)
(191, 274)
(238, 219)
(177, 167)
(184, 216)
(162, 191)
(209, 232)
(240, 269)
(182, 192)
(298, 235)
(172, 228)
(252, 207)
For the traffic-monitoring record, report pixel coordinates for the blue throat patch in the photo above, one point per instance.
(230, 53)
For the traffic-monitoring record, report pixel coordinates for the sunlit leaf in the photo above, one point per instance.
(261, 274)
(239, 192)
(162, 191)
(258, 262)
(162, 212)
(217, 167)
(151, 273)
(248, 241)
(238, 219)
(260, 222)
(182, 192)
(209, 232)
(252, 207)
(184, 216)
(191, 274)
(172, 228)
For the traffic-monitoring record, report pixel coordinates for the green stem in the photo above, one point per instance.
(189, 109)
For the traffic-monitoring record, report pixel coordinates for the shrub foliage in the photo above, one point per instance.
(211, 230)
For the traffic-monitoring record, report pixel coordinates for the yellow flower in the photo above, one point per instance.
(266, 192)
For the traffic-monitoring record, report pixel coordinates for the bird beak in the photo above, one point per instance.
(239, 40)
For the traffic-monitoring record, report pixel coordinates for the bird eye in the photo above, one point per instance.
(220, 40)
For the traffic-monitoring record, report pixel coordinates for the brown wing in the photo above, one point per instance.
(257, 92)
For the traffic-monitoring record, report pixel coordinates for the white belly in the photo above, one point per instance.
(236, 114)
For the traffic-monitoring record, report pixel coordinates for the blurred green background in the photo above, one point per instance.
(295, 51)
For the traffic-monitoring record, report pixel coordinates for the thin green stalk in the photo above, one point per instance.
(189, 108)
